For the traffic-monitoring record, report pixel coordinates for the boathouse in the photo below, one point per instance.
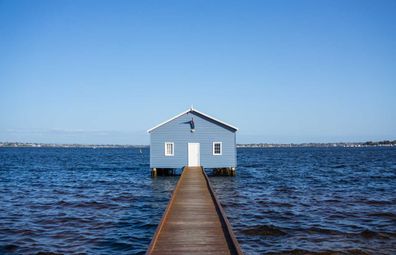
(193, 138)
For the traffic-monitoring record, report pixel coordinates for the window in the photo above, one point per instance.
(169, 149)
(217, 148)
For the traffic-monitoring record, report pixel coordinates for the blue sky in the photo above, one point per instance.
(282, 71)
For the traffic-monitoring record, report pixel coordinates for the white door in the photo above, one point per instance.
(193, 154)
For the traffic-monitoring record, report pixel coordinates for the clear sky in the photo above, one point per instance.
(281, 71)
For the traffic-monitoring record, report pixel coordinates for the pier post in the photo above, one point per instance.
(153, 172)
(233, 171)
(225, 171)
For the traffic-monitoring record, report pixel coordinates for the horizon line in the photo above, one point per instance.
(256, 143)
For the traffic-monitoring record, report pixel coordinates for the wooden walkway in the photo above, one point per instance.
(194, 222)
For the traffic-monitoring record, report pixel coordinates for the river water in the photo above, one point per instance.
(282, 201)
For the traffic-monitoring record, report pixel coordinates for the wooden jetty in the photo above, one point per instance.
(194, 221)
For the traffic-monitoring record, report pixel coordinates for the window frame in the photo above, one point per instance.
(221, 148)
(173, 149)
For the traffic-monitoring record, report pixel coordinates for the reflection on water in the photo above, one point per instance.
(282, 201)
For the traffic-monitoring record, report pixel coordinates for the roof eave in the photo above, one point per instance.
(163, 123)
(217, 120)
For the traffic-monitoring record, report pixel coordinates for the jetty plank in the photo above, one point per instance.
(194, 222)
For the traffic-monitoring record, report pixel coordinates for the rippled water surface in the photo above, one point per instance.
(283, 201)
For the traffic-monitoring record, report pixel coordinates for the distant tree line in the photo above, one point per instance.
(336, 144)
(385, 142)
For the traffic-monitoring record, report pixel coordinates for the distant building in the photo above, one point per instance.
(193, 138)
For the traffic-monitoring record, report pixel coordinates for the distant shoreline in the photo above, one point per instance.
(61, 145)
(321, 145)
(385, 143)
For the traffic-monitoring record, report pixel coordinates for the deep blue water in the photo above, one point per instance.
(282, 201)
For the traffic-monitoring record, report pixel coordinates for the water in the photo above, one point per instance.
(283, 201)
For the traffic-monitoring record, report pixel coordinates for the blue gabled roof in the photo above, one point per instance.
(198, 112)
